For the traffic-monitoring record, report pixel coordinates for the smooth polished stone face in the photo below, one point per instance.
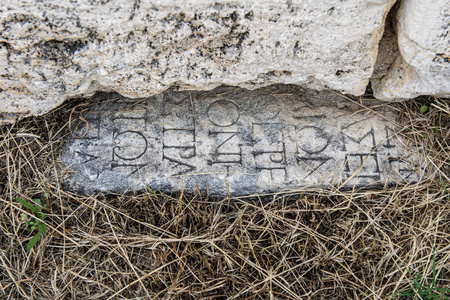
(232, 141)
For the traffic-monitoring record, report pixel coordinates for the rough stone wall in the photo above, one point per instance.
(57, 49)
(422, 66)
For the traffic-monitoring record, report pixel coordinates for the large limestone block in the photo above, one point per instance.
(54, 49)
(423, 65)
(235, 141)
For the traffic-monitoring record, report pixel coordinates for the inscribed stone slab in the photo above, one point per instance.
(232, 140)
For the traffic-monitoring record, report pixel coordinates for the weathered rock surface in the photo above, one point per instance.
(232, 140)
(423, 64)
(55, 49)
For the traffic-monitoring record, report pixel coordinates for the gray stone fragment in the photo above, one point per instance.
(232, 140)
(422, 66)
(53, 50)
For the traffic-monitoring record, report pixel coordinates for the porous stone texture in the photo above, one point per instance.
(56, 49)
(423, 64)
(232, 141)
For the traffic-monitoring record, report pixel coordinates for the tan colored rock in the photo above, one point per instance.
(423, 64)
(57, 49)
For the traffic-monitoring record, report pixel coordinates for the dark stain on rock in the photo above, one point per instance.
(441, 58)
(296, 49)
(274, 19)
(130, 36)
(60, 51)
(154, 63)
(135, 8)
(234, 39)
(206, 74)
(234, 16)
(18, 18)
(8, 49)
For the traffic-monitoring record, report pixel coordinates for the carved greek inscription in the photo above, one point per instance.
(362, 161)
(313, 164)
(223, 113)
(270, 149)
(257, 141)
(313, 117)
(228, 150)
(131, 110)
(362, 165)
(389, 134)
(129, 145)
(134, 167)
(86, 156)
(172, 102)
(178, 148)
(312, 141)
(368, 137)
(124, 122)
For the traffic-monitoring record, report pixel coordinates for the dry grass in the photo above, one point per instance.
(311, 245)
